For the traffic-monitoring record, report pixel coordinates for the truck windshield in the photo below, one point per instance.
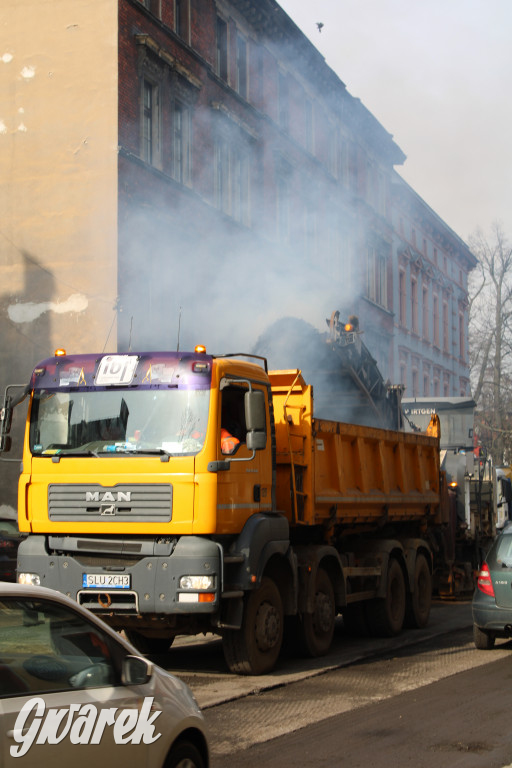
(103, 422)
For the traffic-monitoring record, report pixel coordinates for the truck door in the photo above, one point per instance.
(245, 488)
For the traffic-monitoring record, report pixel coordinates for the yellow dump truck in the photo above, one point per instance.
(178, 493)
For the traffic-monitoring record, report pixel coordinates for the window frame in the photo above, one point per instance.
(242, 65)
(151, 141)
(221, 48)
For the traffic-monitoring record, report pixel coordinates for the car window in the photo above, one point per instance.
(46, 647)
(9, 526)
(502, 553)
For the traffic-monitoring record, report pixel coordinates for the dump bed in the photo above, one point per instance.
(338, 473)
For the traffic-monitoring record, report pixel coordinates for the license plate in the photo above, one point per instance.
(106, 581)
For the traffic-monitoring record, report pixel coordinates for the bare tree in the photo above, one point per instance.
(490, 334)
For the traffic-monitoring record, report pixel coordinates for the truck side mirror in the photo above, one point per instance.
(5, 428)
(255, 419)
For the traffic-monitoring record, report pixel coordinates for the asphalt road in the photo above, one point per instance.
(461, 720)
(427, 697)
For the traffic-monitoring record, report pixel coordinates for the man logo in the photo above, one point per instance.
(109, 509)
(108, 496)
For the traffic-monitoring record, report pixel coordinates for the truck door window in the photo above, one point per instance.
(233, 427)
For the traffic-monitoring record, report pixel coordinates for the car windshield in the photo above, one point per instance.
(503, 552)
(120, 421)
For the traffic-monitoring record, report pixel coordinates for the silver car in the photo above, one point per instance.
(74, 692)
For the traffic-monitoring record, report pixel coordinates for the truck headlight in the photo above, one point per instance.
(29, 578)
(196, 582)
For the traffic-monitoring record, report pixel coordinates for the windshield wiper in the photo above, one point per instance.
(56, 457)
(154, 452)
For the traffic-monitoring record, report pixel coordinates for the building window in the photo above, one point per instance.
(182, 19)
(424, 305)
(283, 105)
(435, 256)
(402, 298)
(221, 62)
(462, 346)
(221, 174)
(232, 179)
(376, 281)
(436, 320)
(240, 187)
(153, 6)
(446, 346)
(150, 149)
(256, 74)
(181, 141)
(414, 382)
(381, 194)
(309, 126)
(241, 66)
(437, 378)
(426, 385)
(414, 305)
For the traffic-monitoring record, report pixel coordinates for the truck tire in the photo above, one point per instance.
(484, 641)
(386, 615)
(148, 645)
(418, 610)
(254, 648)
(316, 629)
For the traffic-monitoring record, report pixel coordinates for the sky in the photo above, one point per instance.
(437, 74)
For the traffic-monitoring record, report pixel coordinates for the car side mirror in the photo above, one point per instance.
(136, 670)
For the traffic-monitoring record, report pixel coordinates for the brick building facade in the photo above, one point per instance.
(184, 171)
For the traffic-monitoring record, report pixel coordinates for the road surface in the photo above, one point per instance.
(427, 697)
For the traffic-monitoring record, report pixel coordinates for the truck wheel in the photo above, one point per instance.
(146, 644)
(418, 611)
(254, 648)
(386, 615)
(484, 641)
(317, 628)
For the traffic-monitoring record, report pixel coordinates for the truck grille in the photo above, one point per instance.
(108, 602)
(120, 503)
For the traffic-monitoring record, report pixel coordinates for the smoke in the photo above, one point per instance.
(292, 343)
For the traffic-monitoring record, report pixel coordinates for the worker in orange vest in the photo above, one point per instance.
(228, 443)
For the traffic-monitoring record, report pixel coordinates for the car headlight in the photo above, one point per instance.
(29, 578)
(196, 582)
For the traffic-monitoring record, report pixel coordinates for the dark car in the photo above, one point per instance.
(10, 538)
(492, 601)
